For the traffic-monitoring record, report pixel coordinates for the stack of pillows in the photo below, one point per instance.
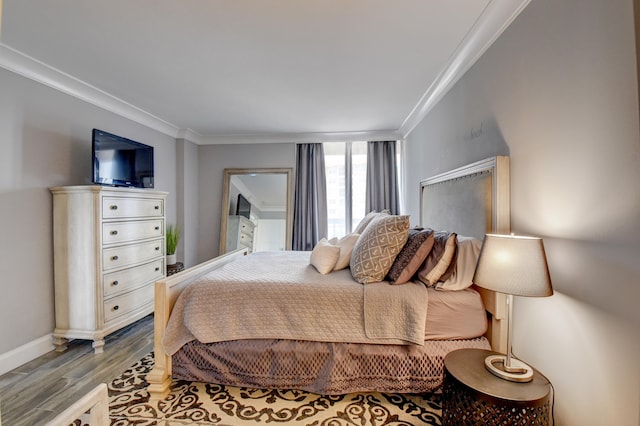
(383, 247)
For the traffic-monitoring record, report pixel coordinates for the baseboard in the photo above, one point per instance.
(25, 353)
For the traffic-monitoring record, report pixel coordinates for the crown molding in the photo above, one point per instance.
(31, 68)
(190, 135)
(495, 18)
(301, 137)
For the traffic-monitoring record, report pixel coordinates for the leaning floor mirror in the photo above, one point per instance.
(257, 209)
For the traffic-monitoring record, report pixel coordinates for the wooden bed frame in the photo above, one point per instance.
(479, 191)
(473, 200)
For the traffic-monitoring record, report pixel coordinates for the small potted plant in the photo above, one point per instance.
(172, 237)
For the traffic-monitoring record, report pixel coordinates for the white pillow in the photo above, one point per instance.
(346, 244)
(462, 276)
(324, 256)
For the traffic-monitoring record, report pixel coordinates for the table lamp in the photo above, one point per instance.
(515, 266)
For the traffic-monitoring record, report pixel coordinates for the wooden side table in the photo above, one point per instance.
(474, 396)
(175, 268)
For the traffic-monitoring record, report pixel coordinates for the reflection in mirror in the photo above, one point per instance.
(257, 210)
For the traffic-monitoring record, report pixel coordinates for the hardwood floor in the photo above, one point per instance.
(36, 392)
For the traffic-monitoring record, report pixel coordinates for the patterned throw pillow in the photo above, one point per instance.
(414, 252)
(377, 248)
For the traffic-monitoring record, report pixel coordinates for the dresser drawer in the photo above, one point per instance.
(246, 228)
(121, 305)
(120, 232)
(127, 279)
(117, 207)
(123, 256)
(245, 240)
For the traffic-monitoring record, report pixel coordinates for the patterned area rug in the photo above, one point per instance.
(193, 403)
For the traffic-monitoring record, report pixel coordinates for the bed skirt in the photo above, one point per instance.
(319, 367)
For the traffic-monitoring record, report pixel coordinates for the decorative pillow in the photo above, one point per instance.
(346, 244)
(377, 248)
(440, 263)
(452, 251)
(367, 220)
(412, 255)
(324, 256)
(467, 258)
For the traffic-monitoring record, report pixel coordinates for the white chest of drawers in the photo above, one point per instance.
(109, 249)
(239, 233)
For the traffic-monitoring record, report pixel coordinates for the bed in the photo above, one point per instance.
(471, 200)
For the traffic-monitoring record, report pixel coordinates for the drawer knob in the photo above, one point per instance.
(114, 232)
(157, 228)
(157, 248)
(114, 258)
(157, 207)
(157, 269)
(113, 207)
(115, 308)
(115, 283)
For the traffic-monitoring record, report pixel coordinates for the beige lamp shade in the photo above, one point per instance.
(514, 265)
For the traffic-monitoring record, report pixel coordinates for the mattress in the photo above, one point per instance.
(455, 315)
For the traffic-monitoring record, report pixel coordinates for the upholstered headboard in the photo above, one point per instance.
(472, 200)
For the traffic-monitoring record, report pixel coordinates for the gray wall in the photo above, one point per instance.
(558, 93)
(46, 141)
(187, 201)
(212, 160)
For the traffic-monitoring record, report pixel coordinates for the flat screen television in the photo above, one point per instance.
(119, 161)
(243, 207)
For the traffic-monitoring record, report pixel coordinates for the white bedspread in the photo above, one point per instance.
(278, 295)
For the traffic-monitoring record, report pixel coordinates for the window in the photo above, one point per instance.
(346, 173)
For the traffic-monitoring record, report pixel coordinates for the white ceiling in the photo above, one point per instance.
(267, 191)
(248, 70)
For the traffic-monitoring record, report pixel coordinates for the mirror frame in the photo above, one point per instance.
(228, 173)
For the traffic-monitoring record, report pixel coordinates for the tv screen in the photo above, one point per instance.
(243, 207)
(120, 161)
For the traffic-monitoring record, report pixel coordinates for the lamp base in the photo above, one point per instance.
(517, 371)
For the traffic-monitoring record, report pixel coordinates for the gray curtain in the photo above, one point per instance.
(310, 203)
(382, 177)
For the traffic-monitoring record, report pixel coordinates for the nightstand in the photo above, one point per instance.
(474, 396)
(175, 268)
